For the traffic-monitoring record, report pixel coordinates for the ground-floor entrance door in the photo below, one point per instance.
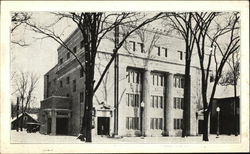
(103, 125)
(49, 126)
(62, 126)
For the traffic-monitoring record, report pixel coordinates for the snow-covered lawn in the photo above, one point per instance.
(24, 137)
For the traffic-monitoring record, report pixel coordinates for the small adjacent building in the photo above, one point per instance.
(26, 117)
(229, 113)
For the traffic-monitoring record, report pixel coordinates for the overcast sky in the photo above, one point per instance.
(41, 55)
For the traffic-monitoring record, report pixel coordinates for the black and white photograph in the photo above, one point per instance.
(109, 78)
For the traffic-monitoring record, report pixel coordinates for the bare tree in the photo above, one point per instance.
(231, 77)
(182, 24)
(94, 27)
(18, 19)
(25, 85)
(224, 41)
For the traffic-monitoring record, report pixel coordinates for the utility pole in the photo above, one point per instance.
(218, 122)
(116, 83)
(17, 110)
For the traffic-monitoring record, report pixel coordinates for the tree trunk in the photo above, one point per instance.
(205, 126)
(235, 100)
(234, 109)
(22, 116)
(186, 109)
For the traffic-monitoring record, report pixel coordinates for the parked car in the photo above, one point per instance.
(32, 127)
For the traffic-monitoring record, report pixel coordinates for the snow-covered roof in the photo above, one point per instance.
(34, 116)
(226, 91)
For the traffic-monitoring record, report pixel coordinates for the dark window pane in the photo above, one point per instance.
(74, 49)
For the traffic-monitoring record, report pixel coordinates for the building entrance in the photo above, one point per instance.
(49, 126)
(62, 126)
(103, 125)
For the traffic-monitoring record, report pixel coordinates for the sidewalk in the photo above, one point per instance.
(24, 137)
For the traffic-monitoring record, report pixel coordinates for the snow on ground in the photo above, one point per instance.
(24, 137)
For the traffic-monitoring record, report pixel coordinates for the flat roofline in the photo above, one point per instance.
(227, 97)
(159, 31)
(50, 70)
(49, 109)
(63, 97)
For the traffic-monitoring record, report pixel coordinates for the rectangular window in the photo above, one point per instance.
(179, 81)
(182, 83)
(68, 55)
(162, 80)
(156, 123)
(166, 51)
(177, 123)
(127, 99)
(156, 102)
(74, 85)
(135, 77)
(138, 77)
(81, 72)
(81, 44)
(136, 123)
(152, 101)
(61, 84)
(132, 123)
(128, 75)
(161, 101)
(175, 106)
(67, 80)
(153, 79)
(141, 47)
(152, 123)
(61, 61)
(160, 123)
(178, 103)
(74, 49)
(133, 100)
(182, 103)
(159, 51)
(180, 55)
(81, 96)
(132, 76)
(136, 100)
(127, 122)
(157, 80)
(132, 45)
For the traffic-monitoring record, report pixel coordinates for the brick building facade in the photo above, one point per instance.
(146, 100)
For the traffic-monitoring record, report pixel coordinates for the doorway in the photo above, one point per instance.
(49, 126)
(103, 125)
(61, 126)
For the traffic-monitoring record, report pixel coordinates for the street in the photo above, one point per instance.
(24, 137)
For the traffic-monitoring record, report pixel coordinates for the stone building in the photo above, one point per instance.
(142, 96)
